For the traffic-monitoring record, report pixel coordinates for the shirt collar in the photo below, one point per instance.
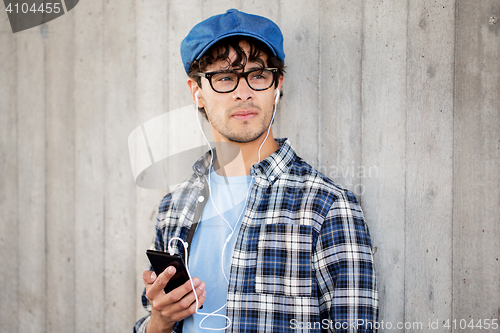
(202, 166)
(270, 168)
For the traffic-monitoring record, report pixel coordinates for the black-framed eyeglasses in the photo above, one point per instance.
(226, 81)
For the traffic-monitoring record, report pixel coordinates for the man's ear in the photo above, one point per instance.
(196, 94)
(280, 82)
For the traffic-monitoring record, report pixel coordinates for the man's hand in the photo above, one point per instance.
(167, 309)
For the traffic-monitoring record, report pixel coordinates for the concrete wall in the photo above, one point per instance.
(395, 100)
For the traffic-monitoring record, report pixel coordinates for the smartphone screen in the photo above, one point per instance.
(161, 260)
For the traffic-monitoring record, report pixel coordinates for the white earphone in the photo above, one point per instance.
(197, 97)
(171, 250)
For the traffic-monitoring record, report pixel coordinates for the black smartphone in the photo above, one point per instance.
(161, 260)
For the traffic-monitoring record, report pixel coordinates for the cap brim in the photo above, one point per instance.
(235, 33)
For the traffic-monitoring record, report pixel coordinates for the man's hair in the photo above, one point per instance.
(220, 52)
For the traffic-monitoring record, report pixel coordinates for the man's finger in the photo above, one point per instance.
(148, 277)
(181, 291)
(187, 306)
(160, 282)
(189, 299)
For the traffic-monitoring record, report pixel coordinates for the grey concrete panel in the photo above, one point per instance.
(429, 162)
(119, 190)
(9, 254)
(60, 161)
(298, 116)
(383, 146)
(476, 210)
(340, 93)
(152, 97)
(32, 176)
(89, 167)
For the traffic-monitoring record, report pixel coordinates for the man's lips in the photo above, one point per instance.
(244, 114)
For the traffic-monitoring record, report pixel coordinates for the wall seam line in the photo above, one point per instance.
(453, 188)
(319, 152)
(405, 153)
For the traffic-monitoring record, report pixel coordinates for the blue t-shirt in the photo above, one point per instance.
(229, 194)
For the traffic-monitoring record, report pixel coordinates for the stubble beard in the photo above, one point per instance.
(245, 136)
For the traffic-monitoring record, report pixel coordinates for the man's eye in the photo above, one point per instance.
(258, 76)
(224, 78)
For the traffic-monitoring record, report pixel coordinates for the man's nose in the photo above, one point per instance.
(243, 91)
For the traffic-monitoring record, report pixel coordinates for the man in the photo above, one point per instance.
(279, 246)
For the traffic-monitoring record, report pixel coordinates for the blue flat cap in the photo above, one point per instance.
(231, 23)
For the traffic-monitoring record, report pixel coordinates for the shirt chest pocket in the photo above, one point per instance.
(284, 260)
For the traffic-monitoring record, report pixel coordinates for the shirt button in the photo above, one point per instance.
(271, 178)
(201, 198)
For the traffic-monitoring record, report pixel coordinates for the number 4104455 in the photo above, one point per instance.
(24, 8)
(478, 324)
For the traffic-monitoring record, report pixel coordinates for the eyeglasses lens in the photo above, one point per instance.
(260, 79)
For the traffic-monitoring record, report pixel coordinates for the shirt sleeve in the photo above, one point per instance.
(345, 272)
(158, 245)
(140, 326)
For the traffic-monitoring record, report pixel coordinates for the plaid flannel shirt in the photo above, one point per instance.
(303, 258)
